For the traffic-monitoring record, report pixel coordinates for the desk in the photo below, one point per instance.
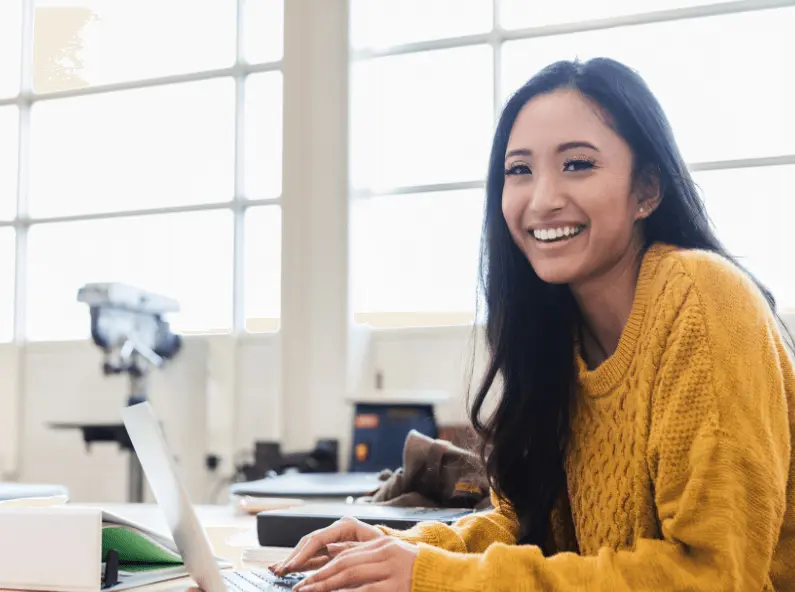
(230, 533)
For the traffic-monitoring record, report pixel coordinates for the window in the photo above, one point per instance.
(407, 113)
(433, 276)
(263, 167)
(83, 43)
(10, 46)
(152, 146)
(385, 23)
(7, 248)
(9, 145)
(263, 30)
(753, 209)
(186, 256)
(519, 14)
(727, 99)
(422, 115)
(263, 268)
(167, 145)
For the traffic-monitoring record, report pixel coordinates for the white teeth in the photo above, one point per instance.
(550, 234)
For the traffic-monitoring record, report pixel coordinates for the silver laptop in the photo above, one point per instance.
(172, 497)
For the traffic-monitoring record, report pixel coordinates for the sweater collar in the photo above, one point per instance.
(602, 379)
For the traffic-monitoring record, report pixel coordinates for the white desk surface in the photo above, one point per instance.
(230, 533)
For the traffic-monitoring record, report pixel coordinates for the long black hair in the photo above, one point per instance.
(531, 325)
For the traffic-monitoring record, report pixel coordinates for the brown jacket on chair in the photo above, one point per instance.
(435, 474)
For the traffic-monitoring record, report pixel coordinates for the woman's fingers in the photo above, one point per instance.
(350, 569)
(348, 578)
(335, 549)
(343, 531)
(316, 563)
(353, 558)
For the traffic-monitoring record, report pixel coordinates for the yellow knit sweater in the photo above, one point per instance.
(680, 468)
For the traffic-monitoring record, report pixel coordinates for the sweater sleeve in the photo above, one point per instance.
(471, 534)
(718, 454)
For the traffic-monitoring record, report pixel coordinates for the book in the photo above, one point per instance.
(66, 549)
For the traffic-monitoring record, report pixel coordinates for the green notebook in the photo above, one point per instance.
(134, 546)
(145, 556)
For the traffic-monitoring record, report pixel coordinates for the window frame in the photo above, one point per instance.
(498, 36)
(237, 202)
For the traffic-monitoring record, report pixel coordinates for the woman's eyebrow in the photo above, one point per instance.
(561, 148)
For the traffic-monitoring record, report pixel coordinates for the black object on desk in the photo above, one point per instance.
(111, 576)
(284, 528)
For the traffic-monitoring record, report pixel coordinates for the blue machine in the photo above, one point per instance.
(380, 431)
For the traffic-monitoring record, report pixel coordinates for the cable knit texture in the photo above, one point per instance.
(680, 469)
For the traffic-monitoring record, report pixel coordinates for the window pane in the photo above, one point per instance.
(9, 150)
(416, 254)
(263, 120)
(79, 43)
(161, 146)
(264, 30)
(421, 118)
(729, 98)
(263, 265)
(184, 256)
(518, 14)
(7, 250)
(752, 210)
(383, 23)
(10, 46)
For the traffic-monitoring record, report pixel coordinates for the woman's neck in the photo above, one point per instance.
(605, 303)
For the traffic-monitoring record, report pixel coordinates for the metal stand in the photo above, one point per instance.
(118, 433)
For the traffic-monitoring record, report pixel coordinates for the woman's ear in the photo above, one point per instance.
(648, 192)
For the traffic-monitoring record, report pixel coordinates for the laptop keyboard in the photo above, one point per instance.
(262, 581)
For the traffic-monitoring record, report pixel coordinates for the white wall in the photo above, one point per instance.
(9, 410)
(220, 395)
(63, 383)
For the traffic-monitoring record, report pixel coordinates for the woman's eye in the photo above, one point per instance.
(575, 165)
(518, 169)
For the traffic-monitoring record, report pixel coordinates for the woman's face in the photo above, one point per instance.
(568, 197)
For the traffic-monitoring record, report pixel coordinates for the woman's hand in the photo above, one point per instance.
(318, 548)
(381, 565)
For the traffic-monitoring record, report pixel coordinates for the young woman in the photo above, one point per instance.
(642, 437)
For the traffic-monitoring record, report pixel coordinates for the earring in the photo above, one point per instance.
(641, 210)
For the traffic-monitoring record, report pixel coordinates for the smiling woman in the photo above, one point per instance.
(627, 449)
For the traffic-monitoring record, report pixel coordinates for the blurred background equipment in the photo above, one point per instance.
(128, 325)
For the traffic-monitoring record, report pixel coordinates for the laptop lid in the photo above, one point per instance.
(172, 497)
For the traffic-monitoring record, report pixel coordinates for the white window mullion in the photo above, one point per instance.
(23, 167)
(238, 275)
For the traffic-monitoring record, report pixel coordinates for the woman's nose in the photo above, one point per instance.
(546, 195)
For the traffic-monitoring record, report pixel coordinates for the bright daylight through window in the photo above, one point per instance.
(140, 162)
(426, 92)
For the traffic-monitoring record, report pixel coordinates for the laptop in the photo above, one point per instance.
(190, 538)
